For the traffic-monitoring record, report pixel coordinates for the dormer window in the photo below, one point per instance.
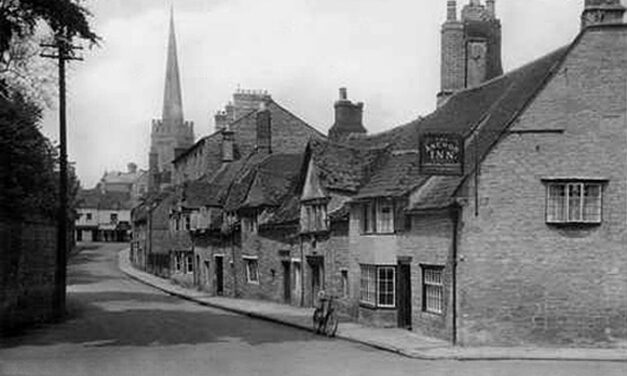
(314, 217)
(377, 217)
(188, 222)
(249, 223)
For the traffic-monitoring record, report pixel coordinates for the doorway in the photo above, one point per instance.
(316, 266)
(403, 294)
(287, 285)
(219, 275)
(207, 274)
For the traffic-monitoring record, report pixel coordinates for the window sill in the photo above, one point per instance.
(313, 232)
(253, 283)
(376, 307)
(433, 313)
(377, 233)
(574, 224)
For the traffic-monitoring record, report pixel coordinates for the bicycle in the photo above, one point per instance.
(325, 319)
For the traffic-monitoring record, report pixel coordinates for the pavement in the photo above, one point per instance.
(403, 342)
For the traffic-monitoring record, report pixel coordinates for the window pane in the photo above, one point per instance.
(368, 286)
(386, 287)
(433, 289)
(385, 218)
(592, 203)
(574, 202)
(556, 211)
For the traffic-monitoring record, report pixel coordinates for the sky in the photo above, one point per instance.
(386, 52)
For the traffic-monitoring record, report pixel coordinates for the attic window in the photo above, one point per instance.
(314, 217)
(378, 217)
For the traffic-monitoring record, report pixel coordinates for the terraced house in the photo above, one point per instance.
(500, 218)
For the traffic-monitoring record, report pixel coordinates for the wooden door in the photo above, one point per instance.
(219, 275)
(403, 294)
(287, 285)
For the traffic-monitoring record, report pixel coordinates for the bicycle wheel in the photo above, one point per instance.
(317, 320)
(331, 325)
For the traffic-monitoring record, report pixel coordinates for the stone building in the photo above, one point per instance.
(133, 182)
(103, 217)
(509, 205)
(239, 138)
(498, 219)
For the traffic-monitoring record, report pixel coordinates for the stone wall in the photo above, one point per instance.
(525, 281)
(27, 272)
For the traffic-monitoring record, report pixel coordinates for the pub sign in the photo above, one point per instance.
(441, 154)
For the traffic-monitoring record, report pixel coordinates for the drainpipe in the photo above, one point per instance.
(455, 217)
(234, 268)
(149, 248)
(302, 272)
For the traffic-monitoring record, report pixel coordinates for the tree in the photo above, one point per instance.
(66, 18)
(23, 25)
(29, 171)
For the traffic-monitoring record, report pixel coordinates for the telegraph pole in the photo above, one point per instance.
(63, 52)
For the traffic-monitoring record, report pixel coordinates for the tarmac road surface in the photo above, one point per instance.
(118, 326)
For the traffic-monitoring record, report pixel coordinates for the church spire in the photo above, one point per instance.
(172, 98)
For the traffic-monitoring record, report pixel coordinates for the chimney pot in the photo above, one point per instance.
(451, 10)
(343, 94)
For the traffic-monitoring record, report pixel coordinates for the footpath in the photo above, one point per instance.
(399, 341)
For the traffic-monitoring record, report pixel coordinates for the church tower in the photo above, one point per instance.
(598, 12)
(171, 135)
(471, 47)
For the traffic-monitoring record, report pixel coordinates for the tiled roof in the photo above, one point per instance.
(95, 199)
(289, 211)
(341, 167)
(437, 193)
(398, 174)
(198, 193)
(117, 177)
(273, 179)
(489, 109)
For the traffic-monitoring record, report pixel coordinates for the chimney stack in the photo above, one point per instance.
(221, 120)
(264, 129)
(490, 5)
(451, 10)
(348, 118)
(131, 168)
(599, 12)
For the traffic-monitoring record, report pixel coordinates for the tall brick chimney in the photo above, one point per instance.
(264, 129)
(598, 12)
(471, 47)
(348, 118)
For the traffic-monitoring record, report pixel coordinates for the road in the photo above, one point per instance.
(118, 326)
